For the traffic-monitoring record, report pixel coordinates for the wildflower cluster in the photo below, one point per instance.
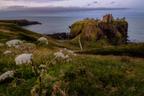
(23, 59)
(6, 75)
(7, 52)
(64, 54)
(27, 47)
(69, 52)
(14, 43)
(43, 40)
(61, 55)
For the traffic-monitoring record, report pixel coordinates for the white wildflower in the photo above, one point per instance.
(27, 47)
(23, 59)
(17, 46)
(8, 74)
(43, 40)
(71, 52)
(7, 52)
(65, 54)
(66, 57)
(43, 66)
(67, 51)
(59, 55)
(13, 43)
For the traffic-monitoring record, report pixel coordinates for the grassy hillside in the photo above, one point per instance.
(95, 72)
(133, 49)
(10, 31)
(84, 75)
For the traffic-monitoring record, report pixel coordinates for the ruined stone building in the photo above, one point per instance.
(108, 18)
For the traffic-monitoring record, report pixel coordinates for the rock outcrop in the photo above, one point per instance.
(112, 30)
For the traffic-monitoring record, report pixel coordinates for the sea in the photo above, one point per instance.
(59, 21)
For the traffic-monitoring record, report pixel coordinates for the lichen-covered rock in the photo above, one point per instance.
(113, 31)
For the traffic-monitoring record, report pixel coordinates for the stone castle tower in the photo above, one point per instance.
(108, 18)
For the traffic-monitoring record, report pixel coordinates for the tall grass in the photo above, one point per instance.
(136, 50)
(85, 75)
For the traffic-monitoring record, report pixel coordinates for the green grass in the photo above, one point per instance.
(95, 72)
(85, 75)
(128, 50)
(12, 31)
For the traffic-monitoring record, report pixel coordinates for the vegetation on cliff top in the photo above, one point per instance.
(108, 29)
(86, 75)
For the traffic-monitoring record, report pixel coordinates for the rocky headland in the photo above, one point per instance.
(108, 29)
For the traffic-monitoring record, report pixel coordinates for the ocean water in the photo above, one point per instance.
(54, 22)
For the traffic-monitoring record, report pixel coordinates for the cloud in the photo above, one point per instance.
(35, 0)
(43, 3)
(95, 2)
(112, 2)
(71, 3)
(92, 3)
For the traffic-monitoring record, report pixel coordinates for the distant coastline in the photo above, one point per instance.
(20, 22)
(57, 9)
(58, 21)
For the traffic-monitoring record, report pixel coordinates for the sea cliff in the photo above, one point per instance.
(108, 29)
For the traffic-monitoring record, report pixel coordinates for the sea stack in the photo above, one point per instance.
(113, 31)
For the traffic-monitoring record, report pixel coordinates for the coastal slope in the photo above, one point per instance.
(11, 29)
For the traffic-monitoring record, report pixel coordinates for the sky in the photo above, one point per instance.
(73, 3)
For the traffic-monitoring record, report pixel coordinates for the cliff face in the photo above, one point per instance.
(112, 30)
